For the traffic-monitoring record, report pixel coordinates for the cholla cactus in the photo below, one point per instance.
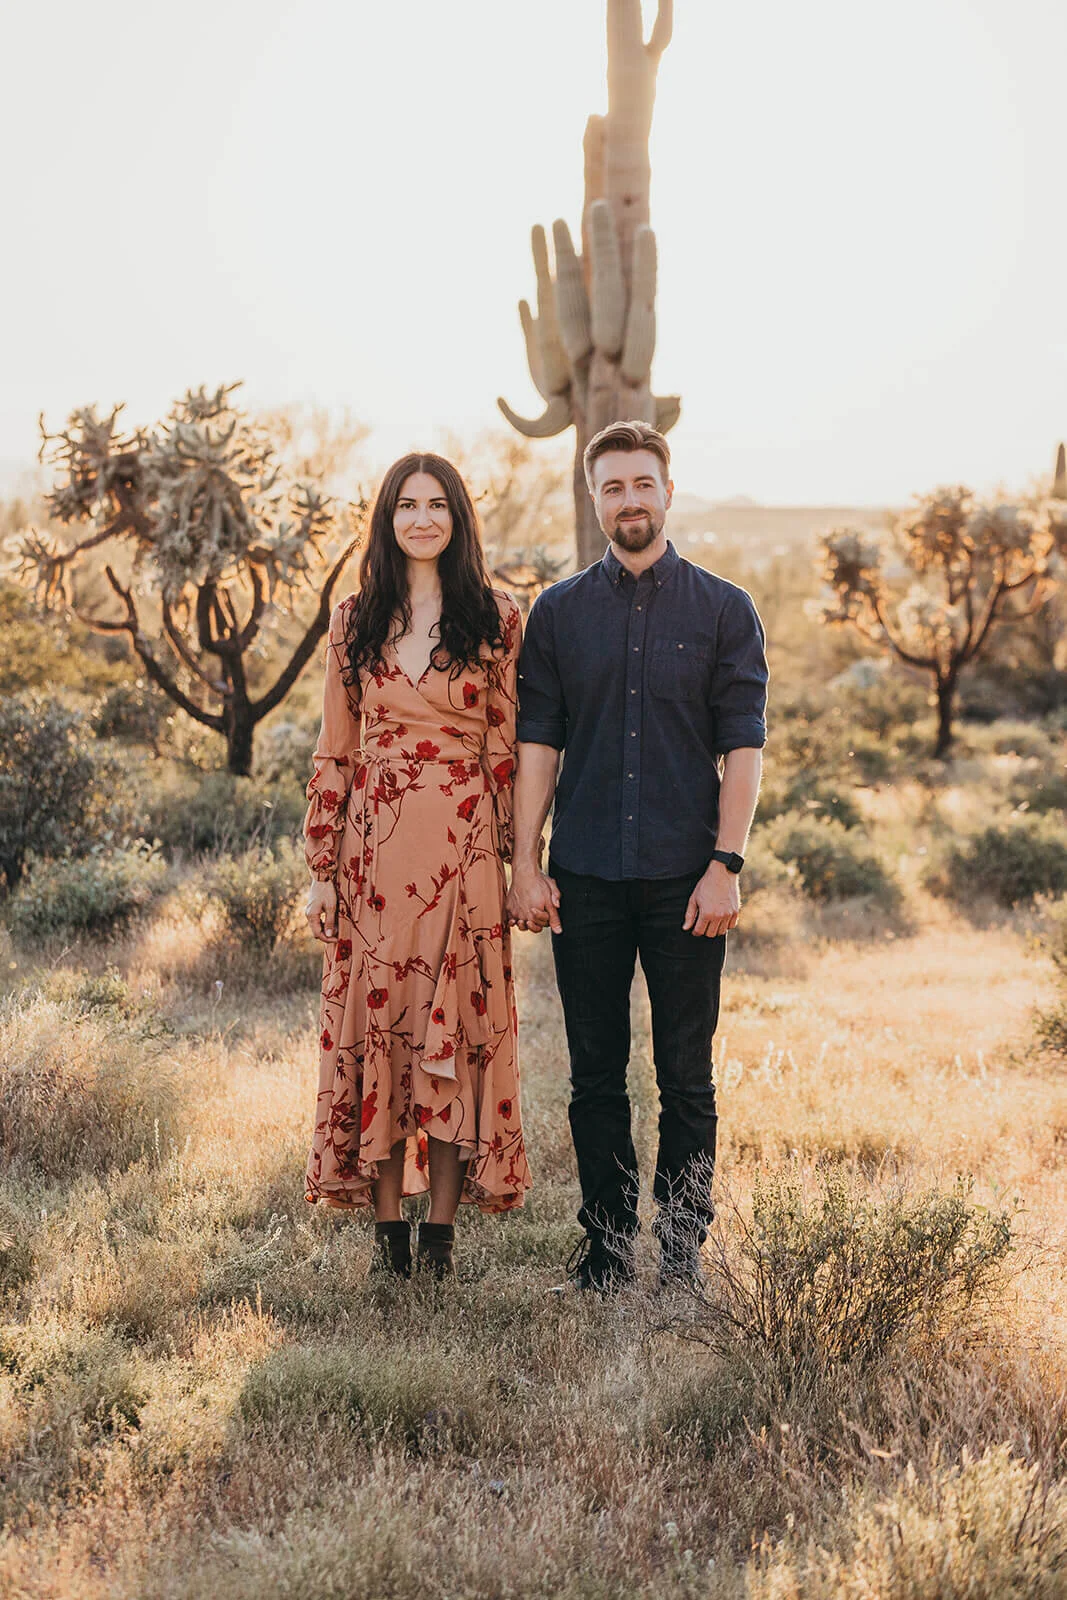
(591, 343)
(978, 566)
(211, 532)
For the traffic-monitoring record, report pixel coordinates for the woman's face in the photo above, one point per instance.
(422, 521)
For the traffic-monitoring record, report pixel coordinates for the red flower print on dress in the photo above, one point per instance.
(445, 1113)
(502, 771)
(319, 830)
(457, 770)
(377, 998)
(438, 1015)
(377, 902)
(494, 716)
(385, 739)
(330, 799)
(478, 1002)
(325, 1040)
(467, 808)
(344, 949)
(361, 777)
(411, 888)
(470, 694)
(426, 750)
(370, 1106)
(504, 1109)
(422, 1115)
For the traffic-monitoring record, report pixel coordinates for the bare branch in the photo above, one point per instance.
(143, 647)
(305, 649)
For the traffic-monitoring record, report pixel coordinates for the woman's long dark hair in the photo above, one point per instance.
(470, 617)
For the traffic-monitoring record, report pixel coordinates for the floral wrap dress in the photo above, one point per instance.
(409, 815)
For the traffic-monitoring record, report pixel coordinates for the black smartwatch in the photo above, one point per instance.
(729, 858)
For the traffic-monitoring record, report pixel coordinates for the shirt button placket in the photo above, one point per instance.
(631, 733)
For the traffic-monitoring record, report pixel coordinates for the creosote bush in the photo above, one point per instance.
(824, 1273)
(259, 893)
(96, 893)
(1008, 862)
(831, 862)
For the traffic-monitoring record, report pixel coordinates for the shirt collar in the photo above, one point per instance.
(660, 570)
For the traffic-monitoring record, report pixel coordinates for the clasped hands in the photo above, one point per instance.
(714, 906)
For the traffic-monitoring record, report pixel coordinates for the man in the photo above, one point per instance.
(647, 671)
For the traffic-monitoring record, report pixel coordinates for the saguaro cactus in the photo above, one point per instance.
(591, 343)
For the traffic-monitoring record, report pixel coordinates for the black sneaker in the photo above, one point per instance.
(593, 1266)
(680, 1267)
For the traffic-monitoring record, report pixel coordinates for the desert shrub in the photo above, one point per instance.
(225, 813)
(43, 653)
(1040, 787)
(132, 711)
(831, 862)
(1008, 862)
(82, 1091)
(992, 1526)
(283, 754)
(876, 697)
(829, 1274)
(813, 796)
(259, 892)
(1051, 1026)
(91, 894)
(416, 1397)
(51, 785)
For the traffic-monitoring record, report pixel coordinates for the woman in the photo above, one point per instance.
(408, 824)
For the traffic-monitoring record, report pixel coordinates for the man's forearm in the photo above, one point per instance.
(535, 786)
(738, 794)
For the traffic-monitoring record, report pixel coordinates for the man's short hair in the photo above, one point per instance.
(632, 435)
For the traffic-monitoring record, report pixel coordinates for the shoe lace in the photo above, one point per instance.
(579, 1256)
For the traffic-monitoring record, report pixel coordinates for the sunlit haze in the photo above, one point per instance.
(859, 211)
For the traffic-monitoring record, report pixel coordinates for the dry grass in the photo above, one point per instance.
(201, 1393)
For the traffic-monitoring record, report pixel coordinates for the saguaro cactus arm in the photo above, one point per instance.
(571, 298)
(1059, 478)
(608, 292)
(668, 410)
(640, 342)
(553, 357)
(556, 416)
(662, 29)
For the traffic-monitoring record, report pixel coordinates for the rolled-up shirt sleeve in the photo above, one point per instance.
(542, 708)
(739, 679)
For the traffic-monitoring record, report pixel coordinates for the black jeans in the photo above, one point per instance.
(606, 925)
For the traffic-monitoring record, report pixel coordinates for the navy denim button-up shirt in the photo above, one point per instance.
(643, 683)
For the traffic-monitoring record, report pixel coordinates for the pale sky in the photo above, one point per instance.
(860, 213)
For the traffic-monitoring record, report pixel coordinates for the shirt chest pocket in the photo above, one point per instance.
(679, 669)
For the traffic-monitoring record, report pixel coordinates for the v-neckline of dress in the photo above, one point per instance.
(414, 682)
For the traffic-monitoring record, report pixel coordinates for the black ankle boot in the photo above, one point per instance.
(393, 1248)
(435, 1249)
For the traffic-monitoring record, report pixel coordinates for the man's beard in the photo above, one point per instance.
(638, 534)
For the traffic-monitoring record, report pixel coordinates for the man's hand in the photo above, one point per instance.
(533, 901)
(321, 911)
(715, 904)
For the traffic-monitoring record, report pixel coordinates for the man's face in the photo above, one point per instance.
(631, 497)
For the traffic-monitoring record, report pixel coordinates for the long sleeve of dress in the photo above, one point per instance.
(334, 757)
(501, 716)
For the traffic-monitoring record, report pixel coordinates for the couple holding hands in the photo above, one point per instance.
(438, 760)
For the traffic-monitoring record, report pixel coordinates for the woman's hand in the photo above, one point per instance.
(321, 911)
